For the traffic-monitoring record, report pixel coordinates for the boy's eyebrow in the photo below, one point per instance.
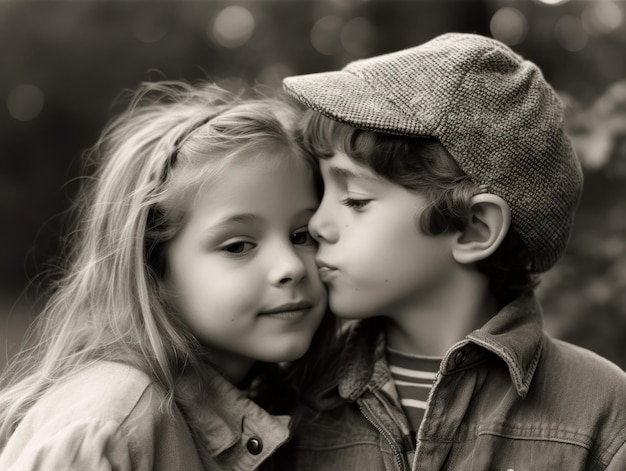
(344, 173)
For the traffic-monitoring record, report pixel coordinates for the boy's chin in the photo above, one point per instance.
(350, 313)
(355, 317)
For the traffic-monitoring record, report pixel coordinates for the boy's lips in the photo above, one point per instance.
(325, 270)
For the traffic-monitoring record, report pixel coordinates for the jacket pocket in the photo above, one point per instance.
(498, 452)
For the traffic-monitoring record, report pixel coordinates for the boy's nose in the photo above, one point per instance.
(321, 227)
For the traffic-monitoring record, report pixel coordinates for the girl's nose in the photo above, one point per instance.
(287, 267)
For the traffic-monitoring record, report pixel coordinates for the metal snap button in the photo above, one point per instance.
(254, 446)
(460, 357)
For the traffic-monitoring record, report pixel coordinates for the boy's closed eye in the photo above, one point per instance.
(356, 204)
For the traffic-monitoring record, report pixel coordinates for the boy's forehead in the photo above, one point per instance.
(342, 167)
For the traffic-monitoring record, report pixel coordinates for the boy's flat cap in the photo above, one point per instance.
(490, 108)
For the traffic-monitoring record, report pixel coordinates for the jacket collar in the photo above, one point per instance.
(514, 334)
(222, 417)
(362, 355)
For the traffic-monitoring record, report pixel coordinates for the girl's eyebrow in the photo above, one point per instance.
(246, 218)
(232, 220)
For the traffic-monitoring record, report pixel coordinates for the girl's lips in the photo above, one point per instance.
(289, 311)
(288, 315)
(290, 307)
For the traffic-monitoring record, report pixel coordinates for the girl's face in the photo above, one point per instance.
(242, 272)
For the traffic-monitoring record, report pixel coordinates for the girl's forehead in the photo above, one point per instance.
(276, 158)
(269, 193)
(261, 164)
(227, 171)
(210, 163)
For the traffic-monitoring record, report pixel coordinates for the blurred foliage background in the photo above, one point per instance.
(63, 63)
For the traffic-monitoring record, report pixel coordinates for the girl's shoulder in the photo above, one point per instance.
(94, 415)
(104, 390)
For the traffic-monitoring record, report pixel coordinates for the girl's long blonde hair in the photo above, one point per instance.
(108, 304)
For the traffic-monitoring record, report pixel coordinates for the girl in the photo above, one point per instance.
(192, 276)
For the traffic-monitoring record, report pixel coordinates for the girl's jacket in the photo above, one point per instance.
(109, 417)
(507, 397)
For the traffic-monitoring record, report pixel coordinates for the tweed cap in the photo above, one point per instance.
(491, 109)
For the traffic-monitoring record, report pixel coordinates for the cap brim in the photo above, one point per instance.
(346, 98)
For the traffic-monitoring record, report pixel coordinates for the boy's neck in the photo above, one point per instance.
(443, 317)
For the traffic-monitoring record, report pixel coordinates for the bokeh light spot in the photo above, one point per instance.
(233, 26)
(325, 35)
(357, 36)
(509, 25)
(552, 2)
(25, 102)
(570, 33)
(602, 17)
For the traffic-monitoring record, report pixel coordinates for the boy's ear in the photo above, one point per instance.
(488, 225)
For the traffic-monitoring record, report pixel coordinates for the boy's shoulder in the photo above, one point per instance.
(583, 370)
(579, 394)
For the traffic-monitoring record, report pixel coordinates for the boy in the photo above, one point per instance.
(449, 185)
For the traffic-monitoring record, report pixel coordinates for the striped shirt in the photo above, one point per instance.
(414, 376)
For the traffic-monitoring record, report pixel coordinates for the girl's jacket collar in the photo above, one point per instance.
(225, 422)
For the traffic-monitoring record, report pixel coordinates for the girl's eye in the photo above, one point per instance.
(355, 204)
(239, 247)
(302, 237)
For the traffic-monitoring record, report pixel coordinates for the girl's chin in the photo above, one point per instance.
(287, 355)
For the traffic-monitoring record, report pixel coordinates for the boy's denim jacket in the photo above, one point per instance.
(508, 397)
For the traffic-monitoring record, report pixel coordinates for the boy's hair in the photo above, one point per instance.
(424, 166)
(492, 111)
(149, 163)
